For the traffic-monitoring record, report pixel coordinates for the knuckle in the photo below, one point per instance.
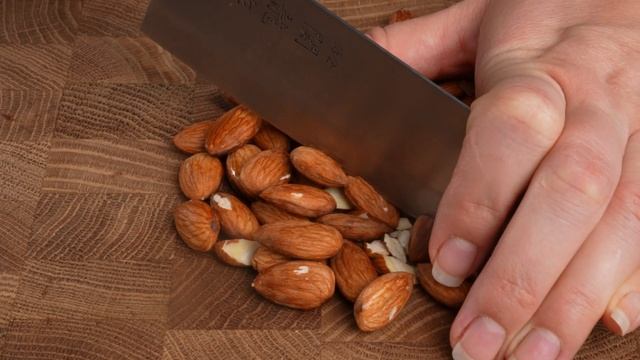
(627, 201)
(581, 302)
(519, 290)
(480, 211)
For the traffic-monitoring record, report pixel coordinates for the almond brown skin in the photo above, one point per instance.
(353, 270)
(236, 219)
(200, 176)
(265, 258)
(382, 300)
(356, 227)
(318, 166)
(419, 240)
(268, 213)
(197, 225)
(301, 285)
(366, 198)
(232, 130)
(299, 199)
(191, 139)
(451, 297)
(300, 239)
(236, 161)
(270, 138)
(268, 168)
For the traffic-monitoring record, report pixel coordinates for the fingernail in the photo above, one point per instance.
(538, 344)
(627, 314)
(454, 261)
(482, 340)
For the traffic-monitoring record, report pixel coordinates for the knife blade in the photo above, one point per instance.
(326, 85)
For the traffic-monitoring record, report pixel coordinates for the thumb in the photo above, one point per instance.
(441, 44)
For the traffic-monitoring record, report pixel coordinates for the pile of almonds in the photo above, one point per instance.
(300, 221)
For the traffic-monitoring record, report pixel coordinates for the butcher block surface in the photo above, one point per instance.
(90, 264)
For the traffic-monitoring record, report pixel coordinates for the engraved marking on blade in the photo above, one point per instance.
(277, 15)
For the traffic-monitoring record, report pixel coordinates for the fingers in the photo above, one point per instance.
(437, 45)
(608, 257)
(565, 200)
(510, 130)
(623, 312)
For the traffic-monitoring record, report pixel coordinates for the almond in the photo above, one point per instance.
(400, 16)
(403, 224)
(270, 138)
(299, 199)
(232, 130)
(318, 166)
(395, 248)
(366, 198)
(236, 252)
(452, 297)
(268, 213)
(389, 264)
(382, 300)
(419, 240)
(300, 239)
(236, 218)
(375, 247)
(200, 176)
(197, 224)
(268, 168)
(342, 203)
(236, 161)
(191, 138)
(354, 227)
(403, 238)
(353, 270)
(265, 258)
(297, 284)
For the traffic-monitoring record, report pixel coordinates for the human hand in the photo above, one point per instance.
(551, 156)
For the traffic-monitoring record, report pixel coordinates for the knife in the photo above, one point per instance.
(324, 84)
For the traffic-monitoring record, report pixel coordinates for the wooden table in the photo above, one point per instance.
(90, 265)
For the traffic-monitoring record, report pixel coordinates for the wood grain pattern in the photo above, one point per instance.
(131, 111)
(603, 345)
(41, 67)
(125, 60)
(8, 287)
(28, 115)
(113, 17)
(206, 294)
(104, 227)
(124, 166)
(38, 21)
(16, 219)
(83, 339)
(420, 321)
(207, 102)
(384, 351)
(240, 344)
(22, 166)
(93, 290)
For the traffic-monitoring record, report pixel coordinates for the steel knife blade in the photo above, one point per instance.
(326, 85)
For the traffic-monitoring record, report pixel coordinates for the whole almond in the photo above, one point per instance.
(268, 213)
(419, 240)
(268, 168)
(197, 224)
(236, 252)
(299, 199)
(318, 166)
(355, 227)
(236, 218)
(200, 176)
(301, 285)
(300, 239)
(353, 270)
(232, 130)
(270, 138)
(265, 258)
(388, 264)
(452, 297)
(191, 138)
(366, 198)
(236, 161)
(382, 300)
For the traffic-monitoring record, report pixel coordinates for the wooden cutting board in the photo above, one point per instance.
(90, 266)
